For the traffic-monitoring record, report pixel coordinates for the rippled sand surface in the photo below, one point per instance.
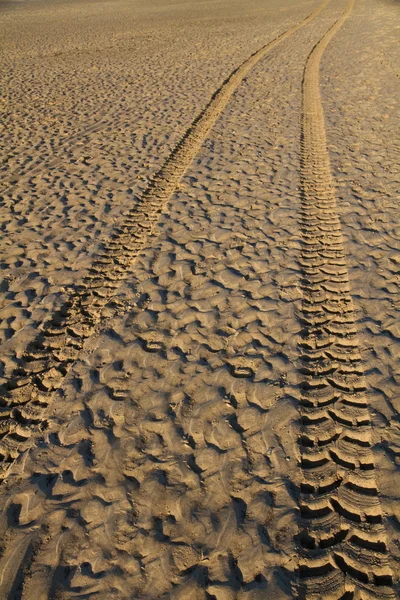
(200, 300)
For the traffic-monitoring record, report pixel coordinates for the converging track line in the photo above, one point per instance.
(50, 355)
(343, 548)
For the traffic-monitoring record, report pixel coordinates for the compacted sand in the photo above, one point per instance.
(200, 301)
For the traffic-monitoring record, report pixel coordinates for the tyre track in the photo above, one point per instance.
(342, 538)
(50, 355)
(69, 143)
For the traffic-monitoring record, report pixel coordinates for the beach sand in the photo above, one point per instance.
(200, 301)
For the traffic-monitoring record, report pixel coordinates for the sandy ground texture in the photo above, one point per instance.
(200, 300)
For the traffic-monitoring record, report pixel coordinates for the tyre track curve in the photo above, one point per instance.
(342, 538)
(48, 358)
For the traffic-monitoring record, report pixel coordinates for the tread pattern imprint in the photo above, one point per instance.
(49, 357)
(341, 539)
(342, 533)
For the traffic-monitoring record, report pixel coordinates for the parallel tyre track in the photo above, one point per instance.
(342, 538)
(236, 73)
(49, 357)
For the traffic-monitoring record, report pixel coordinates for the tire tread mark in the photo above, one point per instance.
(50, 356)
(53, 160)
(343, 547)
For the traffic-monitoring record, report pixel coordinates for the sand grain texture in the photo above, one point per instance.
(200, 301)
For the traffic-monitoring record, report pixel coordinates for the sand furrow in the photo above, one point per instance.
(342, 531)
(49, 357)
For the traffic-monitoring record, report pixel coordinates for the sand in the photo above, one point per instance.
(200, 300)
